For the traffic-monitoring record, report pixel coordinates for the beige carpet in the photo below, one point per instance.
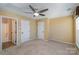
(41, 47)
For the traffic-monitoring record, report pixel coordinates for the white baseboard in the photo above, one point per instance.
(63, 42)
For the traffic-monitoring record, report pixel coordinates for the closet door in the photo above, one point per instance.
(77, 32)
(41, 29)
(25, 30)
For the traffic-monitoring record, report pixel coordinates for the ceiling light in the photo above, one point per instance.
(36, 14)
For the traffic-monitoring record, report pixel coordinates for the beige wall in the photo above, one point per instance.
(61, 29)
(33, 29)
(13, 14)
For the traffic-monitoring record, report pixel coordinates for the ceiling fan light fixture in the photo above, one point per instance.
(36, 14)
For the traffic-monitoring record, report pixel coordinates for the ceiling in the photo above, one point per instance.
(54, 9)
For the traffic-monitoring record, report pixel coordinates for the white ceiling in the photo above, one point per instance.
(54, 9)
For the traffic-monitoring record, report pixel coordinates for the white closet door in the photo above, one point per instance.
(77, 32)
(41, 28)
(25, 30)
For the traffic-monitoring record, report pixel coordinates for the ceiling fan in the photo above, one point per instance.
(36, 13)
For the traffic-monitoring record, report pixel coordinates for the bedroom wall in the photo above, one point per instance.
(61, 29)
(33, 27)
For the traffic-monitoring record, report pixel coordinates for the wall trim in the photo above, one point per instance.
(63, 42)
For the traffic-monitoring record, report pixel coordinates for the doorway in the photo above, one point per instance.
(41, 29)
(9, 32)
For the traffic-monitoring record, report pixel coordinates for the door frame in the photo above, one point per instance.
(1, 32)
(17, 42)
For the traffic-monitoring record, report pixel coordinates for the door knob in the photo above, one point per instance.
(22, 32)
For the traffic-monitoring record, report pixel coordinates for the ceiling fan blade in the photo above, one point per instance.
(42, 14)
(32, 8)
(42, 10)
(29, 12)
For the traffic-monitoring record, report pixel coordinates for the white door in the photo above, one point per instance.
(25, 30)
(77, 32)
(41, 28)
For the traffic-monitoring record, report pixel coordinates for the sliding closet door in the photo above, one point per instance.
(25, 30)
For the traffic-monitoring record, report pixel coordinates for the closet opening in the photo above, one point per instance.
(9, 32)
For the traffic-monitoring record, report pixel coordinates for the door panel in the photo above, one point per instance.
(14, 31)
(41, 28)
(77, 32)
(25, 30)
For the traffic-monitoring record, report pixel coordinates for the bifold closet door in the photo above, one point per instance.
(41, 29)
(25, 30)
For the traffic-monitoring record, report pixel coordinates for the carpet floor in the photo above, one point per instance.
(41, 47)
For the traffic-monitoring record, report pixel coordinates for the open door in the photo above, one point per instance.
(41, 29)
